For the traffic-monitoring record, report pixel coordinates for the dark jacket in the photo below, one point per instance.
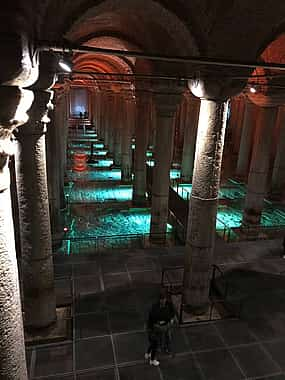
(161, 315)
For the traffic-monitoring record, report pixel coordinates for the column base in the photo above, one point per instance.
(59, 330)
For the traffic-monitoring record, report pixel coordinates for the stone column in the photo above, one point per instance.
(106, 118)
(203, 203)
(103, 117)
(192, 108)
(141, 133)
(166, 100)
(126, 139)
(13, 106)
(39, 292)
(54, 175)
(278, 175)
(118, 121)
(249, 120)
(98, 110)
(152, 129)
(238, 123)
(111, 120)
(258, 173)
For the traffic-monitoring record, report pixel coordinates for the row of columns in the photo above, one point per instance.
(38, 293)
(261, 127)
(34, 208)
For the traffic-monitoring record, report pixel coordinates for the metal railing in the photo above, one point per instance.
(223, 302)
(94, 244)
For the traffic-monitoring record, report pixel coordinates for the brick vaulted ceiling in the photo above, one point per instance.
(226, 29)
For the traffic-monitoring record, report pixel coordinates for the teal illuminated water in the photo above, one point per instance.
(175, 173)
(102, 163)
(100, 152)
(110, 222)
(95, 175)
(230, 216)
(86, 193)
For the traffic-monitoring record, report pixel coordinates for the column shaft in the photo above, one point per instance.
(12, 344)
(278, 175)
(40, 303)
(190, 132)
(258, 174)
(203, 203)
(126, 142)
(161, 181)
(118, 124)
(141, 132)
(246, 140)
(12, 352)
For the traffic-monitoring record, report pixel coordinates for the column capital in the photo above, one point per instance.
(218, 85)
(38, 114)
(47, 71)
(14, 103)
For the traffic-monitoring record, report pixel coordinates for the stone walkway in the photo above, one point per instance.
(111, 295)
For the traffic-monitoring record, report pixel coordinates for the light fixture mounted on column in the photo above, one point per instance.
(66, 64)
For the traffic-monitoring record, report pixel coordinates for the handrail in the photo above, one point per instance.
(213, 279)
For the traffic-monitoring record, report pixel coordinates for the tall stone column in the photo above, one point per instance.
(249, 119)
(98, 110)
(237, 131)
(118, 124)
(55, 180)
(200, 240)
(107, 118)
(258, 173)
(152, 129)
(126, 139)
(111, 120)
(192, 108)
(204, 202)
(13, 106)
(278, 175)
(166, 100)
(39, 292)
(141, 133)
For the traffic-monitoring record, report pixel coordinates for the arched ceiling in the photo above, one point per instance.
(229, 29)
(269, 84)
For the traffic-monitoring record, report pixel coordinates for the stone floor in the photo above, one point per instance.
(111, 295)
